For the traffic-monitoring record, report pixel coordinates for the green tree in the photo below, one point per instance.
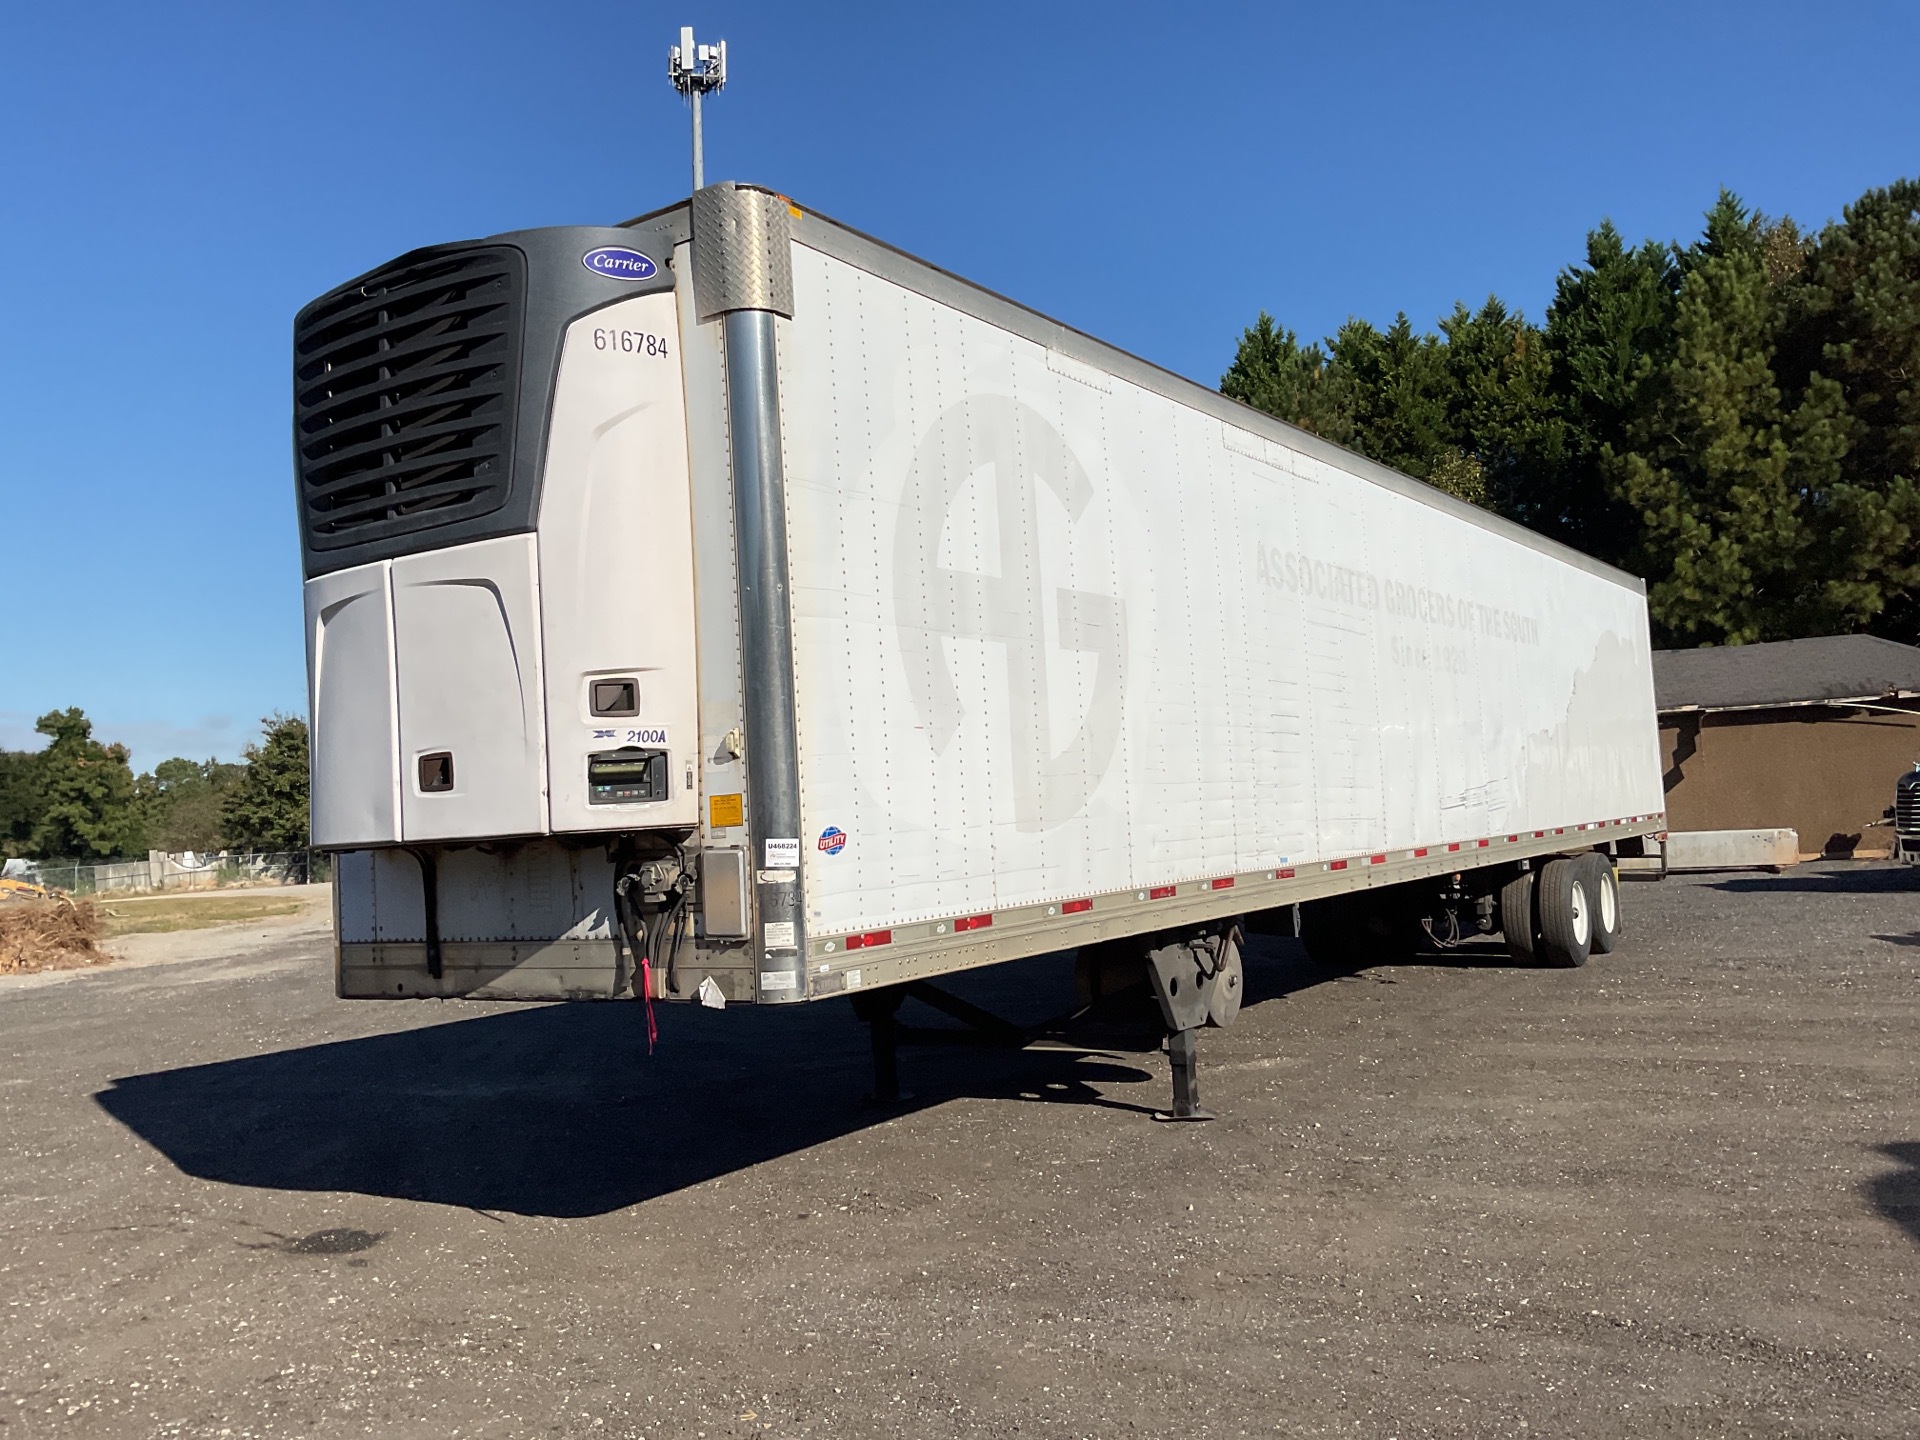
(268, 808)
(1399, 387)
(183, 801)
(88, 806)
(1464, 413)
(1274, 372)
(1853, 327)
(1741, 495)
(1737, 419)
(1502, 418)
(20, 800)
(1609, 334)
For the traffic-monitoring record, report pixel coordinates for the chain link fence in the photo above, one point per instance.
(160, 873)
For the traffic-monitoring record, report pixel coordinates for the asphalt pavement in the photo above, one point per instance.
(1674, 1193)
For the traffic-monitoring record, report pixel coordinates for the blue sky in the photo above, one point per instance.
(176, 181)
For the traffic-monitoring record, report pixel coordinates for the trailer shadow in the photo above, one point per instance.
(554, 1110)
(1845, 877)
(1277, 967)
(559, 1110)
(1896, 1194)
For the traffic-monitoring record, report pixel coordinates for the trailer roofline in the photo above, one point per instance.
(890, 262)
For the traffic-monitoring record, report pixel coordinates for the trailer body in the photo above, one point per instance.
(875, 627)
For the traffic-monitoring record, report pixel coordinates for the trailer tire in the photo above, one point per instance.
(1517, 922)
(1603, 886)
(1563, 899)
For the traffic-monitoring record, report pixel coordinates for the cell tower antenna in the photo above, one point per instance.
(694, 70)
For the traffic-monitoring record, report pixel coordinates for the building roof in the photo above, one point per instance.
(1786, 672)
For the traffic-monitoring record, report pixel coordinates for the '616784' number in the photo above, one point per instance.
(630, 342)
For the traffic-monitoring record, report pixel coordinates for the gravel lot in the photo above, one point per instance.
(1675, 1193)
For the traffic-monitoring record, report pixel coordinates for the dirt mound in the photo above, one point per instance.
(58, 934)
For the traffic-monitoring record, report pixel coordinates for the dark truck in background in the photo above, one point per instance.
(1906, 817)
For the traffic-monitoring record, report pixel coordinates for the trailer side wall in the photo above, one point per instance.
(1058, 634)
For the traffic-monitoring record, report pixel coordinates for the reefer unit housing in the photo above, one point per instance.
(727, 603)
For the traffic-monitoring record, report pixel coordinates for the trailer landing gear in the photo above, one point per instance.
(1196, 980)
(1183, 1055)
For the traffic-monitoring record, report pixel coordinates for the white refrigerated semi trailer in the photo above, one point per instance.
(728, 605)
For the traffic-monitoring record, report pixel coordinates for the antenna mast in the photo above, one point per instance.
(694, 70)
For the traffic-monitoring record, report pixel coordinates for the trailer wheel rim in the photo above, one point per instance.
(1582, 921)
(1609, 904)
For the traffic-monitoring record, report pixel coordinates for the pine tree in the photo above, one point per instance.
(1396, 386)
(1852, 344)
(1725, 474)
(1737, 420)
(1274, 372)
(1609, 332)
(1501, 417)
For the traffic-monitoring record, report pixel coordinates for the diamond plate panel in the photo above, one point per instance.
(742, 251)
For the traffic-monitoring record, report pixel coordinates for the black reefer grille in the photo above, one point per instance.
(405, 396)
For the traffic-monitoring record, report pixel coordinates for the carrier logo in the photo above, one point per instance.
(618, 263)
(1052, 781)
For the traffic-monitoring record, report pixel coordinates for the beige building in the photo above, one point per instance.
(1810, 734)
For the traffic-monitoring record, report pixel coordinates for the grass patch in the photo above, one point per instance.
(152, 916)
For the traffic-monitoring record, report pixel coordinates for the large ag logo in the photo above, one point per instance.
(1051, 782)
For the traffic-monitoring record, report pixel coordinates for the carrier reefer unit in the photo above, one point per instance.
(726, 604)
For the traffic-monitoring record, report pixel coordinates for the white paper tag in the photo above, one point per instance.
(783, 854)
(710, 995)
(779, 980)
(779, 935)
(776, 877)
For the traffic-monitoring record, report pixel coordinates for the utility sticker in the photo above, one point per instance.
(779, 934)
(725, 810)
(783, 854)
(833, 839)
(779, 980)
(616, 262)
